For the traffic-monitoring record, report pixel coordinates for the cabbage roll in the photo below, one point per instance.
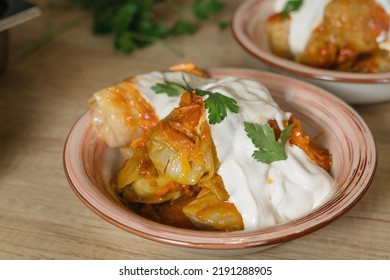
(120, 114)
(181, 146)
(278, 30)
(140, 182)
(348, 37)
(176, 154)
(177, 161)
(211, 209)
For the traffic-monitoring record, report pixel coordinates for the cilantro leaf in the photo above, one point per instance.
(291, 6)
(263, 137)
(170, 88)
(216, 103)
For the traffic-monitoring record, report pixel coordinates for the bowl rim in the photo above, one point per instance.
(222, 241)
(240, 20)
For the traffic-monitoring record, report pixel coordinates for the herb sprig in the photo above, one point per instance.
(291, 6)
(137, 23)
(263, 137)
(216, 103)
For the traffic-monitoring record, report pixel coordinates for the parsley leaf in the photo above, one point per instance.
(263, 137)
(216, 103)
(291, 6)
(170, 88)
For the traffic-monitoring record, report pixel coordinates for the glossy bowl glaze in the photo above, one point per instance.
(89, 164)
(248, 27)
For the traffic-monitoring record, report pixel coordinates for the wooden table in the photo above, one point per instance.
(44, 92)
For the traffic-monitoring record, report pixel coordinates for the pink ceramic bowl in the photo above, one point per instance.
(89, 164)
(248, 27)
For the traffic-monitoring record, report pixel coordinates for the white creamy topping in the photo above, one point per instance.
(309, 16)
(264, 194)
(384, 39)
(303, 22)
(385, 5)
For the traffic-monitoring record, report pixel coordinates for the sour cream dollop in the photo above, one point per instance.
(264, 194)
(309, 16)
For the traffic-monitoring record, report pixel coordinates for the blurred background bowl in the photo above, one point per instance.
(90, 165)
(248, 26)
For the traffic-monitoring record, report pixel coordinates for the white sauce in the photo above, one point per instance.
(309, 16)
(384, 39)
(385, 5)
(303, 22)
(264, 194)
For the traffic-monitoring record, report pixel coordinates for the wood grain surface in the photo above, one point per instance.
(42, 94)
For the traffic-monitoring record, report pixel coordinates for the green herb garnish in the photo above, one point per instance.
(291, 6)
(170, 88)
(263, 137)
(216, 103)
(137, 23)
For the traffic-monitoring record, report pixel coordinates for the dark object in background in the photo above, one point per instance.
(3, 8)
(3, 50)
(12, 13)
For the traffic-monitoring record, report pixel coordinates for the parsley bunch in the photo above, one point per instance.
(137, 23)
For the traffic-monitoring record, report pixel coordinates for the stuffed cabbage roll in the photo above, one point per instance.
(120, 114)
(181, 146)
(178, 160)
(278, 32)
(140, 182)
(333, 34)
(211, 209)
(177, 153)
